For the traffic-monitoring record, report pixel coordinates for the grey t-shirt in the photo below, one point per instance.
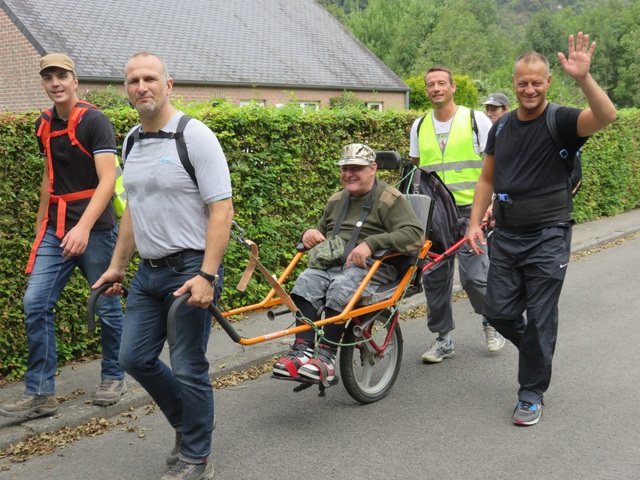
(168, 210)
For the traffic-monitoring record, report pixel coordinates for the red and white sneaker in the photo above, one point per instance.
(322, 368)
(300, 354)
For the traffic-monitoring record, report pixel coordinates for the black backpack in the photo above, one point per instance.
(573, 163)
(178, 136)
(446, 227)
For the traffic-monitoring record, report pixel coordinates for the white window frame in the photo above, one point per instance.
(309, 104)
(249, 103)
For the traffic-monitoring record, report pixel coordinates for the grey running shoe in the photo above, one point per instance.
(190, 471)
(438, 351)
(30, 406)
(175, 453)
(495, 341)
(172, 458)
(109, 392)
(527, 413)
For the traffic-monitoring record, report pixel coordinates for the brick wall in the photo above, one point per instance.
(275, 96)
(270, 96)
(20, 87)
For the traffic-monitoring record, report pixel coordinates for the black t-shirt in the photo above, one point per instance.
(526, 158)
(73, 170)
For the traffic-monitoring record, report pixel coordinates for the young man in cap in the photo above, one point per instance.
(76, 226)
(496, 105)
(390, 224)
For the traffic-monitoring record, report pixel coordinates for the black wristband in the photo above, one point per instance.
(211, 278)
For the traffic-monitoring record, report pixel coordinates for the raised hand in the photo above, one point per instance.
(578, 63)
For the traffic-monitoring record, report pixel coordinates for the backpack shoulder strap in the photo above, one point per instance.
(416, 180)
(44, 130)
(553, 129)
(181, 145)
(178, 136)
(502, 120)
(130, 141)
(420, 124)
(474, 124)
(77, 113)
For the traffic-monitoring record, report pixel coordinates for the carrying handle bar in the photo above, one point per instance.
(221, 319)
(91, 303)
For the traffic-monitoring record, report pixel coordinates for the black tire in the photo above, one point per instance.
(366, 377)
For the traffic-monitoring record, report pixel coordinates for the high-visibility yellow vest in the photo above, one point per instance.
(459, 166)
(119, 198)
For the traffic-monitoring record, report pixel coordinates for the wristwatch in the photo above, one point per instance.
(210, 278)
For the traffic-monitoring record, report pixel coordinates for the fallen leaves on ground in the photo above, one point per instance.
(235, 378)
(48, 442)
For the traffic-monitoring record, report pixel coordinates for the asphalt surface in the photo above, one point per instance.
(78, 382)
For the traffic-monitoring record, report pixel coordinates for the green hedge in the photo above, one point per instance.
(282, 164)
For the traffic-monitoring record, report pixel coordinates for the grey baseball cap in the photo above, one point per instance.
(498, 100)
(357, 154)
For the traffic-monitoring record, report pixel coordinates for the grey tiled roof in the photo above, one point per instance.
(246, 42)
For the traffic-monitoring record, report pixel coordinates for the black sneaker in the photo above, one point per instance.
(527, 413)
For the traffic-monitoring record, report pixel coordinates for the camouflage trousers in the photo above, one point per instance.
(334, 288)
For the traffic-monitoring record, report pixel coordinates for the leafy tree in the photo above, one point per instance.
(347, 100)
(346, 6)
(393, 31)
(614, 26)
(466, 92)
(627, 92)
(417, 96)
(544, 34)
(449, 44)
(482, 38)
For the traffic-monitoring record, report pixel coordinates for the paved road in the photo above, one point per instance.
(440, 421)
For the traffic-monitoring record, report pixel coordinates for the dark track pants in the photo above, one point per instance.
(526, 273)
(438, 287)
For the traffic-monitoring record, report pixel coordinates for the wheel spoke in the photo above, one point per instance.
(368, 375)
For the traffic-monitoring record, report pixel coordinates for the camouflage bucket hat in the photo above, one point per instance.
(357, 154)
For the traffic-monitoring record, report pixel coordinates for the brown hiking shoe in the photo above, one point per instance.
(109, 392)
(30, 406)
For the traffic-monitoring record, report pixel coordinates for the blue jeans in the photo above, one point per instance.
(183, 392)
(51, 273)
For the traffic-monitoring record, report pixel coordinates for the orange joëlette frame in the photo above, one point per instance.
(350, 311)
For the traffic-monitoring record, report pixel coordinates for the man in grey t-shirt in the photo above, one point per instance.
(181, 230)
